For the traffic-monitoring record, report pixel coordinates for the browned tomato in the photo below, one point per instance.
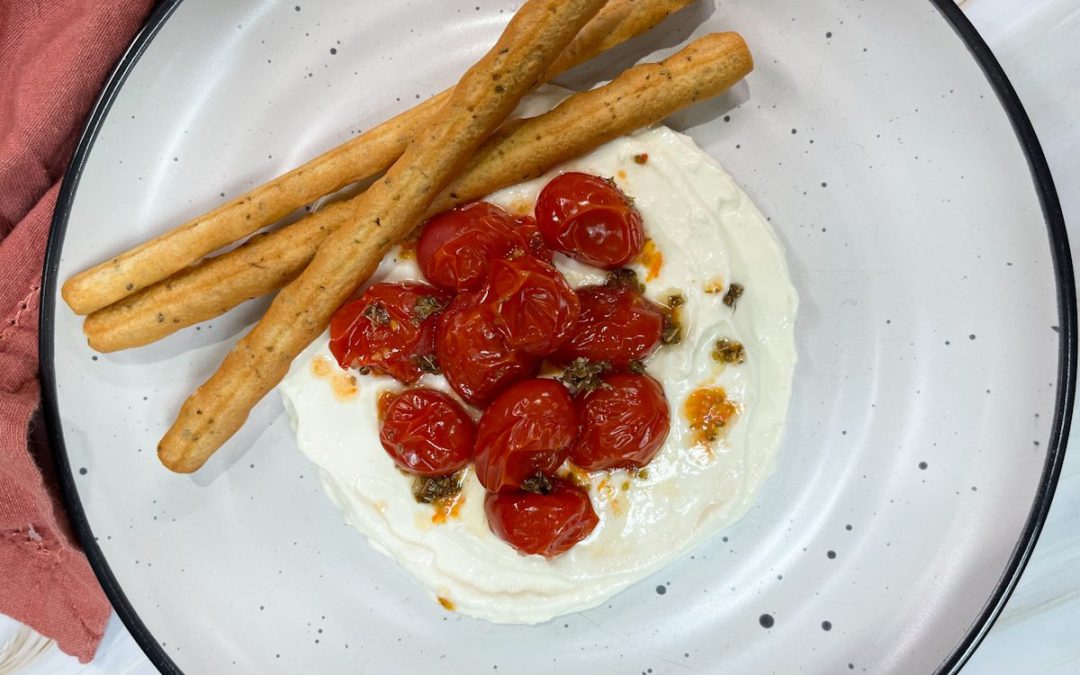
(427, 433)
(390, 328)
(456, 247)
(542, 524)
(616, 324)
(534, 307)
(526, 431)
(474, 355)
(623, 423)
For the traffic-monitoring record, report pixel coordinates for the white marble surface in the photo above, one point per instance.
(1038, 43)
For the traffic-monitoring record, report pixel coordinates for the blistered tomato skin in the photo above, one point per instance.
(589, 219)
(539, 524)
(390, 328)
(456, 247)
(623, 423)
(527, 430)
(534, 307)
(427, 433)
(534, 241)
(474, 355)
(616, 324)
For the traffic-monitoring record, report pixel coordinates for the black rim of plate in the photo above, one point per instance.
(1063, 270)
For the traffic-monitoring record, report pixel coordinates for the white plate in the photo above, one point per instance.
(937, 337)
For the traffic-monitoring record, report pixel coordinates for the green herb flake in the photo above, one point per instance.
(538, 484)
(675, 300)
(625, 277)
(729, 351)
(427, 306)
(432, 490)
(734, 292)
(672, 332)
(377, 314)
(583, 375)
(427, 363)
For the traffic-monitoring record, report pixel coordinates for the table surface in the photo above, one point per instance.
(1038, 43)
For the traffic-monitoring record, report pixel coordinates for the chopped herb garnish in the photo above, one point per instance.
(428, 305)
(428, 363)
(376, 313)
(583, 375)
(734, 292)
(431, 490)
(625, 277)
(729, 351)
(672, 333)
(636, 367)
(364, 370)
(538, 484)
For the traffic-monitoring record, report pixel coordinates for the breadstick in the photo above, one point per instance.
(635, 99)
(482, 100)
(359, 158)
(639, 97)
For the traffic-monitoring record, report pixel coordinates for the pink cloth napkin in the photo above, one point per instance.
(54, 58)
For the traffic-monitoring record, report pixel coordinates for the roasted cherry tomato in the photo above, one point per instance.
(623, 423)
(390, 328)
(534, 241)
(474, 355)
(526, 431)
(456, 247)
(542, 524)
(616, 324)
(427, 433)
(589, 219)
(534, 308)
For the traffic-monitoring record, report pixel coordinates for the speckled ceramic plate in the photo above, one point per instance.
(937, 336)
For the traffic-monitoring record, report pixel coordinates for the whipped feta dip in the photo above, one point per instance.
(709, 235)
